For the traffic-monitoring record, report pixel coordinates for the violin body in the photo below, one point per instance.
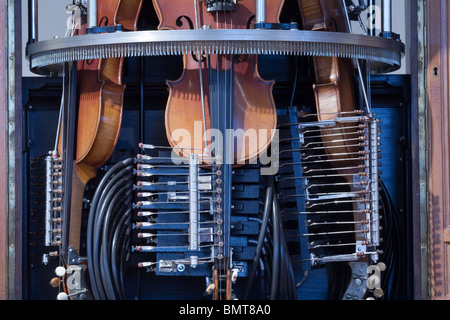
(335, 98)
(100, 103)
(101, 93)
(251, 96)
(334, 90)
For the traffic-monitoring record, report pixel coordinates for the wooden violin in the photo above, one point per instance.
(219, 93)
(99, 111)
(335, 98)
(211, 84)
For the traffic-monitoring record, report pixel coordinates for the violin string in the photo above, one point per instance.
(357, 63)
(200, 71)
(220, 261)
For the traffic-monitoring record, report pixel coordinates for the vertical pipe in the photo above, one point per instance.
(375, 218)
(193, 202)
(92, 13)
(260, 11)
(69, 117)
(32, 21)
(387, 16)
(48, 203)
(372, 18)
(142, 99)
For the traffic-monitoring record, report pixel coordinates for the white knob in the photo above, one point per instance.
(62, 296)
(60, 271)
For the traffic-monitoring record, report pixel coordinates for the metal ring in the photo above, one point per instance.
(46, 56)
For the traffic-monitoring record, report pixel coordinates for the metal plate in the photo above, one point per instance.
(46, 56)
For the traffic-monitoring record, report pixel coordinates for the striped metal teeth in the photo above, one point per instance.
(385, 55)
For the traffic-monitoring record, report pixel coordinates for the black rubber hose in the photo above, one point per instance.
(97, 266)
(124, 252)
(118, 166)
(117, 182)
(117, 239)
(96, 221)
(114, 243)
(114, 206)
(276, 255)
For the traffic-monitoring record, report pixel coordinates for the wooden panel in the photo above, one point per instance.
(447, 235)
(3, 162)
(439, 148)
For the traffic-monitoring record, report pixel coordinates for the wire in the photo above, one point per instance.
(105, 198)
(283, 280)
(393, 281)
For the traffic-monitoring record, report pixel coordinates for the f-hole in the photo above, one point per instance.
(179, 23)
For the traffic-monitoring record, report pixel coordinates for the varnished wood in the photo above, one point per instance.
(334, 90)
(438, 99)
(78, 186)
(254, 107)
(100, 106)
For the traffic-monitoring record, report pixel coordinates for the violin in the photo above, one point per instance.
(335, 98)
(219, 94)
(210, 84)
(100, 94)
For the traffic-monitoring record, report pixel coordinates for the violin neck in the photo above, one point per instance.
(221, 83)
(76, 210)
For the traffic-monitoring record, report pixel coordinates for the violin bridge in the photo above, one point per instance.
(224, 5)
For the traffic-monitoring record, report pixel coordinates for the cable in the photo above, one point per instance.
(112, 176)
(393, 277)
(118, 238)
(105, 254)
(117, 183)
(92, 213)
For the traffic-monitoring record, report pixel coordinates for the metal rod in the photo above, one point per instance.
(92, 13)
(33, 21)
(387, 16)
(261, 14)
(374, 172)
(193, 202)
(372, 18)
(142, 98)
(362, 88)
(69, 91)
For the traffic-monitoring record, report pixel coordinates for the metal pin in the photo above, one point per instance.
(325, 223)
(157, 166)
(307, 145)
(309, 206)
(329, 212)
(154, 213)
(362, 153)
(359, 167)
(323, 148)
(304, 137)
(323, 161)
(328, 245)
(331, 233)
(168, 183)
(322, 176)
(328, 129)
(324, 195)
